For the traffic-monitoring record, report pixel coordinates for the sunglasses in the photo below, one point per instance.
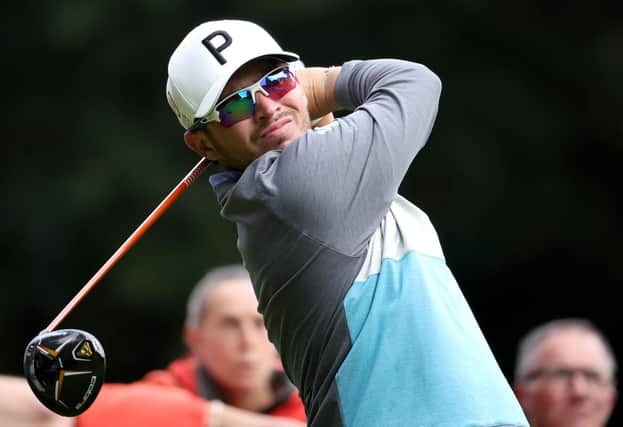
(565, 376)
(240, 105)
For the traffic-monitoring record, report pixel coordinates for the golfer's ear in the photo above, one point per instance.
(200, 143)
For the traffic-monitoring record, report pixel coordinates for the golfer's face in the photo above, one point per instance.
(233, 343)
(575, 389)
(274, 124)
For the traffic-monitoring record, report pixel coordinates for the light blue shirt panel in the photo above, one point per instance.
(418, 356)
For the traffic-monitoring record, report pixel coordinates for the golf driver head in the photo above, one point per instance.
(65, 369)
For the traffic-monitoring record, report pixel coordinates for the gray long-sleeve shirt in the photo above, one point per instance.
(350, 277)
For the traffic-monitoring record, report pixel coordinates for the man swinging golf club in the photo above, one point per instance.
(350, 276)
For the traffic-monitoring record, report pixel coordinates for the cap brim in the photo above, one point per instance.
(209, 100)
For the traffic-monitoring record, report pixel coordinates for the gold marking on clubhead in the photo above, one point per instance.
(61, 377)
(85, 350)
(53, 353)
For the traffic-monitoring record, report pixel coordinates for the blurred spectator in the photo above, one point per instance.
(232, 377)
(565, 375)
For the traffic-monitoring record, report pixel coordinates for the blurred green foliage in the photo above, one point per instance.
(521, 174)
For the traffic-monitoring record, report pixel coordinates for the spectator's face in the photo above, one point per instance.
(562, 396)
(231, 341)
(274, 124)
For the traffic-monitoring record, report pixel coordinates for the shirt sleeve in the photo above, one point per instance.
(336, 183)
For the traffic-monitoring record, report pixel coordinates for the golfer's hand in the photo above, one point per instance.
(318, 84)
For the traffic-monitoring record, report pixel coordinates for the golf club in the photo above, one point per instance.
(65, 368)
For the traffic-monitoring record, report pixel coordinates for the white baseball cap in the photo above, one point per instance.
(205, 60)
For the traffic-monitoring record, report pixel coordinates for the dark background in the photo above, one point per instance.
(521, 174)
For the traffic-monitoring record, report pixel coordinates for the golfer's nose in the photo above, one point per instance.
(265, 106)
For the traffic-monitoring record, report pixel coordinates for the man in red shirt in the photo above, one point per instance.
(232, 376)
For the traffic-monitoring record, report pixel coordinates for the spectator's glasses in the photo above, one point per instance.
(240, 105)
(564, 376)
